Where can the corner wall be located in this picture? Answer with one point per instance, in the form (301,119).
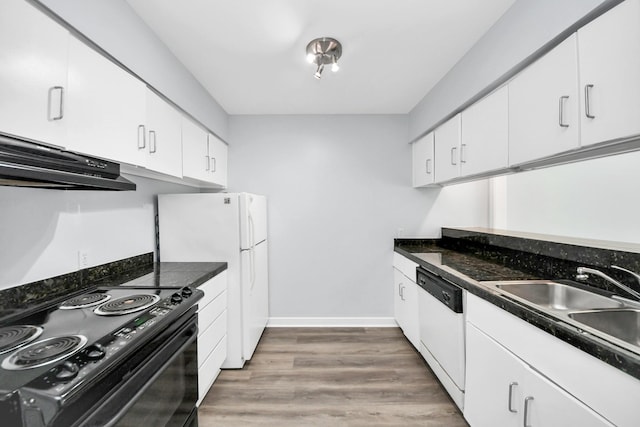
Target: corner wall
(339,191)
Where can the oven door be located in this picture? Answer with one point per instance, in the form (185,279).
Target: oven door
(161,393)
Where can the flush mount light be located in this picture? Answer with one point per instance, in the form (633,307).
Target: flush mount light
(324,51)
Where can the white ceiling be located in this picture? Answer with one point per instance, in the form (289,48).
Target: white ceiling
(250,54)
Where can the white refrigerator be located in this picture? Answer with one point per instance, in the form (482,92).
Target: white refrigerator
(218,227)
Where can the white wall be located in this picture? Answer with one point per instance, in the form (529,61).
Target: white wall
(44,230)
(339,188)
(116,28)
(524,28)
(594,199)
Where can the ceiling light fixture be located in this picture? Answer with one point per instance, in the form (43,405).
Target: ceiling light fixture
(324,51)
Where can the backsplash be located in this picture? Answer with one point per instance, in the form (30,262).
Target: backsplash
(17,299)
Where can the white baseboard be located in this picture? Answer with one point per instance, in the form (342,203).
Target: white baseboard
(373,322)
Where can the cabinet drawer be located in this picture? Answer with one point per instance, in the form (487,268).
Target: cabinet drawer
(605,389)
(210,337)
(212,289)
(210,369)
(210,313)
(405,266)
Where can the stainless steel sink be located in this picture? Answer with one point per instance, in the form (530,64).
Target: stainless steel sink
(558,296)
(621,324)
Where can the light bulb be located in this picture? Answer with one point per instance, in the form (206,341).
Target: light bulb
(318,72)
(310,58)
(335,67)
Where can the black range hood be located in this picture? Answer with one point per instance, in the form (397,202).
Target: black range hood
(28,164)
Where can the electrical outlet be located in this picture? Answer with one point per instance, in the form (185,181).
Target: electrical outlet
(83,260)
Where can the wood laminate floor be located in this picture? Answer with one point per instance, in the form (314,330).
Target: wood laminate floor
(330,377)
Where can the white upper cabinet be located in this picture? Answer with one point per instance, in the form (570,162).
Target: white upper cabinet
(164,136)
(447,150)
(609,50)
(33,73)
(218,154)
(422,155)
(106,108)
(195,157)
(204,157)
(543,106)
(485,134)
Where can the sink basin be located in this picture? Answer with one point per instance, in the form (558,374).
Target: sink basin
(622,324)
(558,296)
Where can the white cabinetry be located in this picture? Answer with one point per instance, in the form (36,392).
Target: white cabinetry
(447,150)
(422,155)
(106,108)
(164,136)
(543,106)
(406,298)
(485,134)
(212,332)
(504,391)
(609,70)
(33,73)
(204,157)
(608,391)
(195,155)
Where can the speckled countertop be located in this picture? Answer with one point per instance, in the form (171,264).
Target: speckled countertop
(469,257)
(134,271)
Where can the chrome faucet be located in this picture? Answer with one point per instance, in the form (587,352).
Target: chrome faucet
(583,274)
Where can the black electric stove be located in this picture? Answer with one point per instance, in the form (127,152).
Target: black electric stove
(61,363)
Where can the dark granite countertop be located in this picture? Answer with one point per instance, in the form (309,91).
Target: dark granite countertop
(135,271)
(468,257)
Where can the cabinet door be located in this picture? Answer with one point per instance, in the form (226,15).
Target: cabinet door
(106,108)
(546,404)
(33,73)
(399,284)
(543,106)
(485,134)
(609,70)
(494,383)
(412,330)
(447,150)
(164,136)
(501,390)
(195,157)
(422,156)
(218,154)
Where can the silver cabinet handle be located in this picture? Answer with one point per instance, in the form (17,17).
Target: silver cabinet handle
(463,152)
(401,292)
(428,166)
(453,151)
(213,169)
(525,418)
(142,137)
(587,102)
(152,141)
(510,405)
(561,103)
(60,114)
(208,163)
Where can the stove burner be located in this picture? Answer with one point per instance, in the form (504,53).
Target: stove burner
(127,305)
(44,352)
(12,337)
(83,301)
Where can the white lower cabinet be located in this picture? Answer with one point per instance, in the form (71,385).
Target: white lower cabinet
(502,390)
(212,332)
(406,298)
(569,387)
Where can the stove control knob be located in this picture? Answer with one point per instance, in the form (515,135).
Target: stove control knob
(95,352)
(176,298)
(66,371)
(186,292)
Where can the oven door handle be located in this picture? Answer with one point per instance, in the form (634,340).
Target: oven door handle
(131,401)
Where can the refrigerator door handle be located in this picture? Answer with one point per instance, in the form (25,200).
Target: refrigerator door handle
(252,268)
